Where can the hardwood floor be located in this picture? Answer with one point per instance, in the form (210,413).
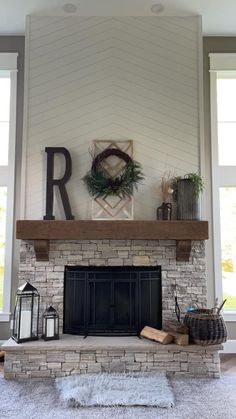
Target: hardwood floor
(228,364)
(1,368)
(1,362)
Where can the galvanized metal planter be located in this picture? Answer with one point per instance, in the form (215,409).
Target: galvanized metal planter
(188,202)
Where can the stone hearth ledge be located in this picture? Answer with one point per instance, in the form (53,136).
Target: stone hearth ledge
(75,355)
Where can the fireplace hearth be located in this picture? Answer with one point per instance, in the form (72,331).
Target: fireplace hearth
(72,354)
(112,301)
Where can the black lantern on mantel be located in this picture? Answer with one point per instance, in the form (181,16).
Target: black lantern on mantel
(26,314)
(50,324)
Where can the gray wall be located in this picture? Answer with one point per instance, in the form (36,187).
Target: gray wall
(15,44)
(212,44)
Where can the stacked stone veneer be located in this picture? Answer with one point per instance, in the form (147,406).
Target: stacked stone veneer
(31,362)
(188,278)
(54,359)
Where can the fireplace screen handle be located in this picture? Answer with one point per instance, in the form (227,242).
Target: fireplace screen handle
(177,309)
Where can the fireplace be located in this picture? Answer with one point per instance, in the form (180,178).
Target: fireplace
(188,279)
(112,301)
(137,293)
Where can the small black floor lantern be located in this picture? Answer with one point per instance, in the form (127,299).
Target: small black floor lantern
(50,324)
(26,314)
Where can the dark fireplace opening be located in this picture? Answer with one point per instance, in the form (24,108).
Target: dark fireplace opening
(112,301)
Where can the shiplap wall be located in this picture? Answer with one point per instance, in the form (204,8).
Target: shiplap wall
(111,78)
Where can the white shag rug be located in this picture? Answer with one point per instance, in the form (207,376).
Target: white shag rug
(116,390)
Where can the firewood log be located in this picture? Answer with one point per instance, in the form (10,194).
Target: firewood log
(156,335)
(179,338)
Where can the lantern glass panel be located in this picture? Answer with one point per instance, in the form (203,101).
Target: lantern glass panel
(26,314)
(35,311)
(50,327)
(44,326)
(50,324)
(16,324)
(57,326)
(25,317)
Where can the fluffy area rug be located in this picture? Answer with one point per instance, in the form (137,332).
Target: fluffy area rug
(116,390)
(194,398)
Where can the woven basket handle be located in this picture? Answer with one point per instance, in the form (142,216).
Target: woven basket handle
(221,306)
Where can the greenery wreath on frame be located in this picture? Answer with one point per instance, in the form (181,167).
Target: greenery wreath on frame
(100,184)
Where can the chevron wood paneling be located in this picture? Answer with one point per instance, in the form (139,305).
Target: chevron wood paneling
(111,78)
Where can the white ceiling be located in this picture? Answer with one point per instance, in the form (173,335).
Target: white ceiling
(218,16)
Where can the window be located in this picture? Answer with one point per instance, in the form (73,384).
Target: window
(223,131)
(8,72)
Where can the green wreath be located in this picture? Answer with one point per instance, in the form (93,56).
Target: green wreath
(99,183)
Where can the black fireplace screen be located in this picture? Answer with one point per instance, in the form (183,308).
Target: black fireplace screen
(110,301)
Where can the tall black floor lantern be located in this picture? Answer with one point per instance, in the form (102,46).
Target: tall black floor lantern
(26,314)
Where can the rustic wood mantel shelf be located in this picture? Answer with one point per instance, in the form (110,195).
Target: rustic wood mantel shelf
(42,231)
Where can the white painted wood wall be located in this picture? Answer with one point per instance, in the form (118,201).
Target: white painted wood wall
(121,78)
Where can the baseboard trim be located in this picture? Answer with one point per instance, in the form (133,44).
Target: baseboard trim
(229,347)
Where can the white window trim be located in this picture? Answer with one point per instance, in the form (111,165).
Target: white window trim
(8,61)
(220,174)
(222,62)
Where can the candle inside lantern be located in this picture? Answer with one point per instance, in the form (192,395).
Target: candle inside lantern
(25,324)
(50,328)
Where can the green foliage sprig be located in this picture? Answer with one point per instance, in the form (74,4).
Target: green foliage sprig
(99,183)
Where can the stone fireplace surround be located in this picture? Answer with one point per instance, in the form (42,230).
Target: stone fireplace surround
(188,278)
(71,355)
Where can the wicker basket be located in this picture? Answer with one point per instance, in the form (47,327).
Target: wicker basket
(206,327)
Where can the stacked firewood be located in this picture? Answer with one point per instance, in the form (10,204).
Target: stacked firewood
(174,332)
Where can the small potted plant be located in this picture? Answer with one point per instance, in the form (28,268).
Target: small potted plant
(187,190)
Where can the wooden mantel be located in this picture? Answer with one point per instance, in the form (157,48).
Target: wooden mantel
(43,231)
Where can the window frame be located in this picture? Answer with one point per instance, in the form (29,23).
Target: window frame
(8,64)
(223,65)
